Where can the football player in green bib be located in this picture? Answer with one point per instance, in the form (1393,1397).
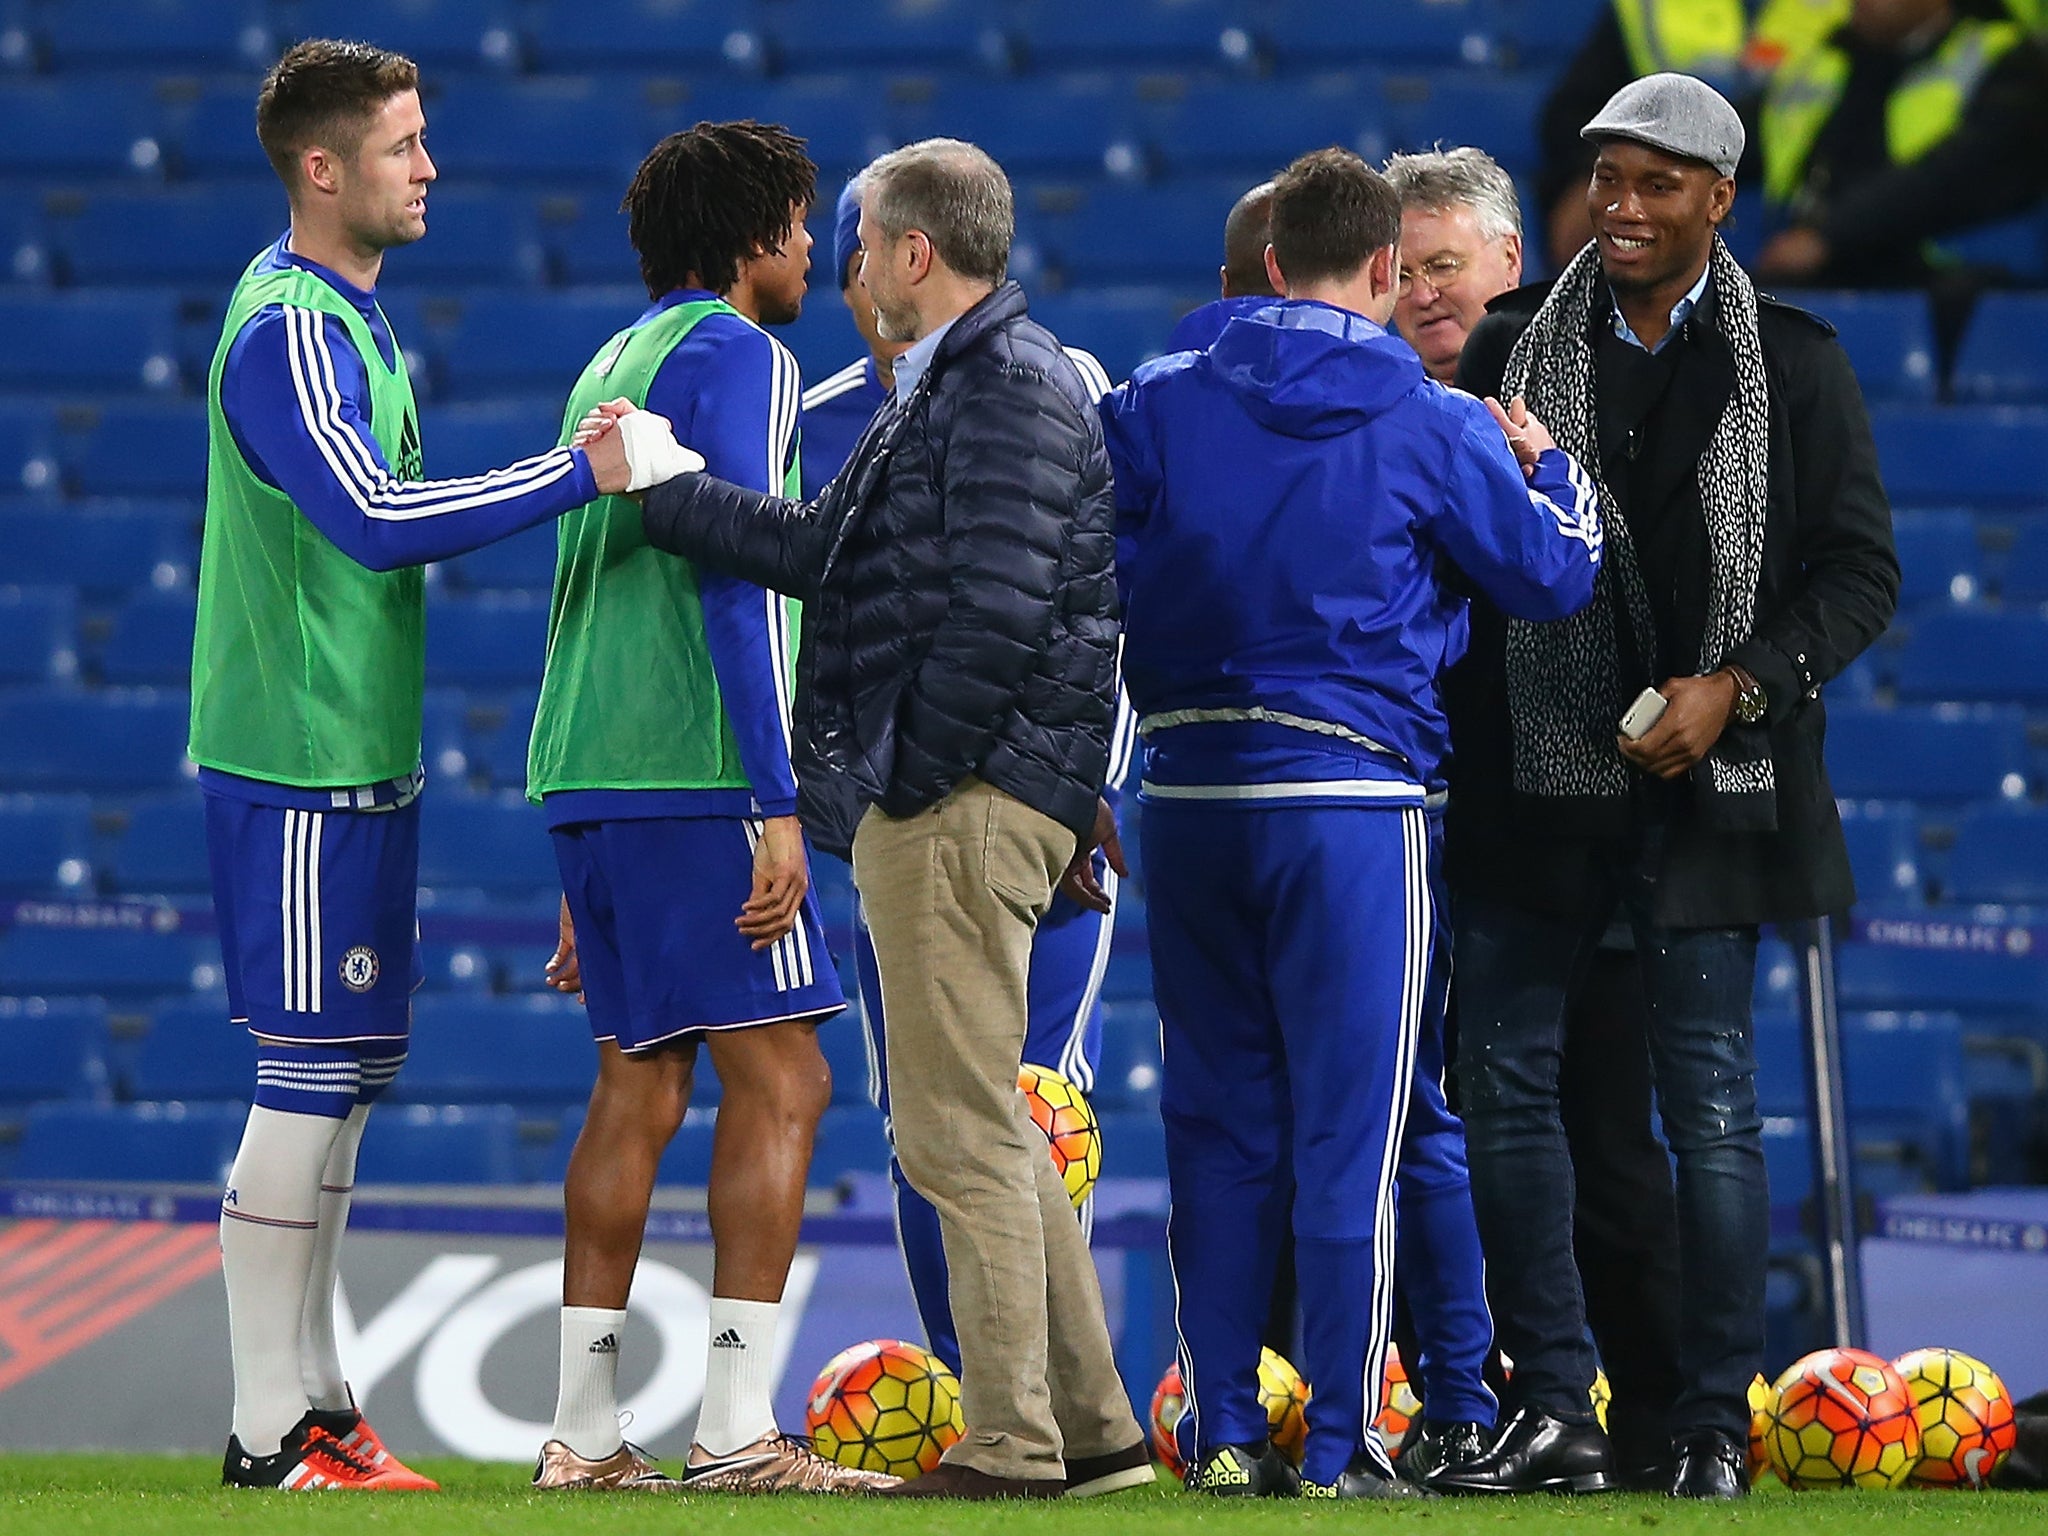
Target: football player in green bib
(661,759)
(307,670)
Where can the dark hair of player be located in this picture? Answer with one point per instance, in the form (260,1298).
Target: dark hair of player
(706,199)
(325,91)
(1331,211)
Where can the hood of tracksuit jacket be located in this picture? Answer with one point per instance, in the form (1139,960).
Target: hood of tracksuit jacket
(1306,369)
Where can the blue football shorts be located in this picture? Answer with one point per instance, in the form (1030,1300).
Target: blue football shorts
(653,902)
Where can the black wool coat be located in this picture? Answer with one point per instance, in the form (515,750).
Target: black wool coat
(959,582)
(1827,589)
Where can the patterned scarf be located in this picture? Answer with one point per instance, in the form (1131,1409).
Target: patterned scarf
(1564,679)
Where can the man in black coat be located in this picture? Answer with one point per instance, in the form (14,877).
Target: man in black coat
(1753,562)
(960,651)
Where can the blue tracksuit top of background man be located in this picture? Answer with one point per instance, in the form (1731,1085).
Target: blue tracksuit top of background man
(1282,503)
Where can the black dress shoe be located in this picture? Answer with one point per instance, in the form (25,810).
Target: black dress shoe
(1245,1472)
(1435,1447)
(1535,1453)
(1362,1480)
(1711,1466)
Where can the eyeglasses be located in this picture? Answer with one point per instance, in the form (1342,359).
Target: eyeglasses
(1440,272)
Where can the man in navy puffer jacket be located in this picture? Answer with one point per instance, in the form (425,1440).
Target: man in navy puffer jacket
(1287,505)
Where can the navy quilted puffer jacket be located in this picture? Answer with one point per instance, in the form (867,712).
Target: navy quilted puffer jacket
(961,612)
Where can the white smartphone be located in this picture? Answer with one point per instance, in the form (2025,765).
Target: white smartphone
(1647,710)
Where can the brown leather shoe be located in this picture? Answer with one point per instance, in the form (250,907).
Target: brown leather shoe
(948,1480)
(1131,1467)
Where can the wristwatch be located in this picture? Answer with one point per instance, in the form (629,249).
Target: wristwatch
(1751,704)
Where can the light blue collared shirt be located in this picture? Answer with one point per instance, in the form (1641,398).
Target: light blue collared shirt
(911,366)
(1680,312)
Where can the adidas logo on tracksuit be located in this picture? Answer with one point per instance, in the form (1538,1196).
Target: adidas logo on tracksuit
(730,1339)
(608,1345)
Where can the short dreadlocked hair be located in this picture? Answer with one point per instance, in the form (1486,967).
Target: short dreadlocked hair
(708,198)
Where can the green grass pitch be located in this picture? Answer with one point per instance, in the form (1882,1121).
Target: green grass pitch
(85,1494)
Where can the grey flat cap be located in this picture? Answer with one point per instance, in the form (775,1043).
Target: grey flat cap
(1674,113)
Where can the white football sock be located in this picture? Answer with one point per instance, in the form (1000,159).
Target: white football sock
(268,1228)
(587,1400)
(737,1383)
(319,1358)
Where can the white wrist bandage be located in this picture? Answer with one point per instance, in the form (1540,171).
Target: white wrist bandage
(652,452)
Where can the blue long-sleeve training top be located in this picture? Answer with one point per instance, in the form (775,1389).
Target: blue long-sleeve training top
(296,398)
(1286,503)
(731,392)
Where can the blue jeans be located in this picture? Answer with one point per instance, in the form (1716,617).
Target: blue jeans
(1516,971)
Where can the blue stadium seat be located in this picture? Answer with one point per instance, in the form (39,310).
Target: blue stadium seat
(129,739)
(202,236)
(1544,33)
(1889,338)
(1166,233)
(38,634)
(1942,753)
(162,851)
(494,843)
(444,734)
(28,437)
(1121,326)
(1975,653)
(526,1050)
(1309,34)
(885,34)
(106,548)
(104,962)
(470,439)
(1970,981)
(850,1140)
(151,641)
(1904,1083)
(83,127)
(89,341)
(1253,127)
(573,128)
(214,135)
(1133,1144)
(474,235)
(2004,356)
(497,639)
(1788,1159)
(1060,126)
(24,247)
(52,1048)
(2025,578)
(1939,561)
(1136,33)
(193,1052)
(586,241)
(2017,246)
(1884,852)
(440,1144)
(150,449)
(1496,112)
(1780,1061)
(130,1143)
(1974,454)
(526,561)
(159,35)
(515,342)
(841,118)
(1127,1076)
(651,34)
(2000,855)
(45,846)
(499,745)
(448,34)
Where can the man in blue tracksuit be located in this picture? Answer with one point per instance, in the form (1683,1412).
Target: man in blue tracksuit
(1287,502)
